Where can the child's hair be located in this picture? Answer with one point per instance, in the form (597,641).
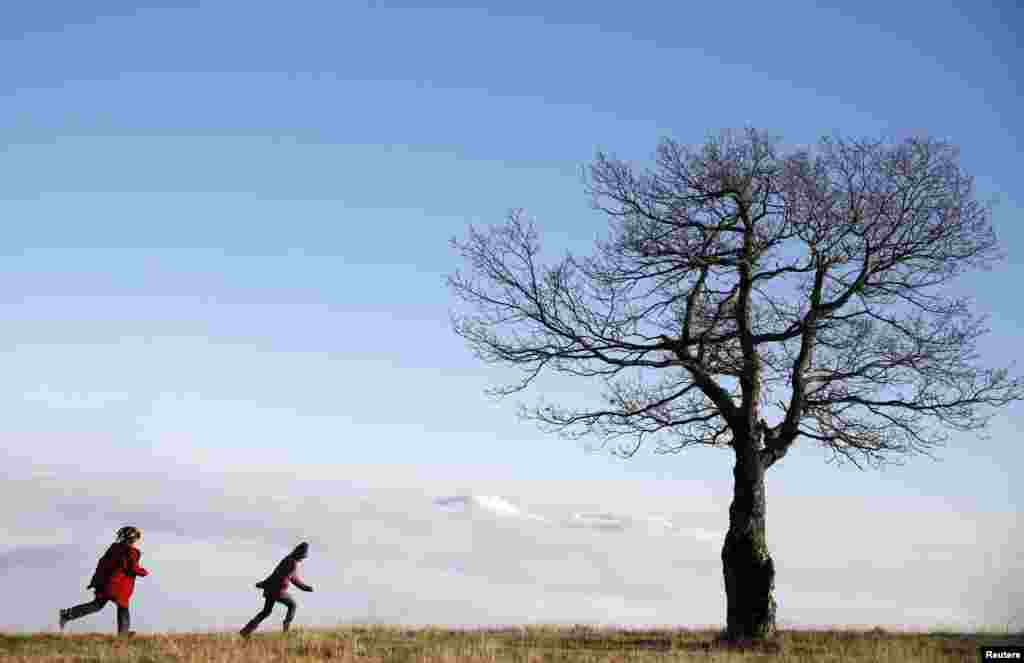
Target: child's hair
(127,534)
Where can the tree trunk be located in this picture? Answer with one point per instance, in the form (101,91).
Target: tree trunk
(747,566)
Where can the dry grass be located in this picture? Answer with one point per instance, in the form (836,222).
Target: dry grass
(534,644)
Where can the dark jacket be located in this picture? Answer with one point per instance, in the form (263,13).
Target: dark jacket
(276,584)
(115,574)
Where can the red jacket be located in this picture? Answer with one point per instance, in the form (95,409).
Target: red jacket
(276,584)
(114,578)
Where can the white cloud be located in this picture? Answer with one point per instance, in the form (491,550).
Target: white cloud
(600,521)
(702,534)
(494,551)
(492,504)
(604,521)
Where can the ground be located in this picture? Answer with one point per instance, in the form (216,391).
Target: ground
(533,644)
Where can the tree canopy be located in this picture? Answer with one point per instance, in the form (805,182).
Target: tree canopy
(737,279)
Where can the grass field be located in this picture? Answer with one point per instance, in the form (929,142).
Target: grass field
(534,644)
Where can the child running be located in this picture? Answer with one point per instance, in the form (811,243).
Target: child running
(114,580)
(275,589)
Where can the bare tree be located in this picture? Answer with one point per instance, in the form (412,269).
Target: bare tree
(737,285)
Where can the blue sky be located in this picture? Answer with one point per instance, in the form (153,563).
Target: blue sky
(226,231)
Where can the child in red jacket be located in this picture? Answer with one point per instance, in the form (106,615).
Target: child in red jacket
(114,580)
(275,589)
